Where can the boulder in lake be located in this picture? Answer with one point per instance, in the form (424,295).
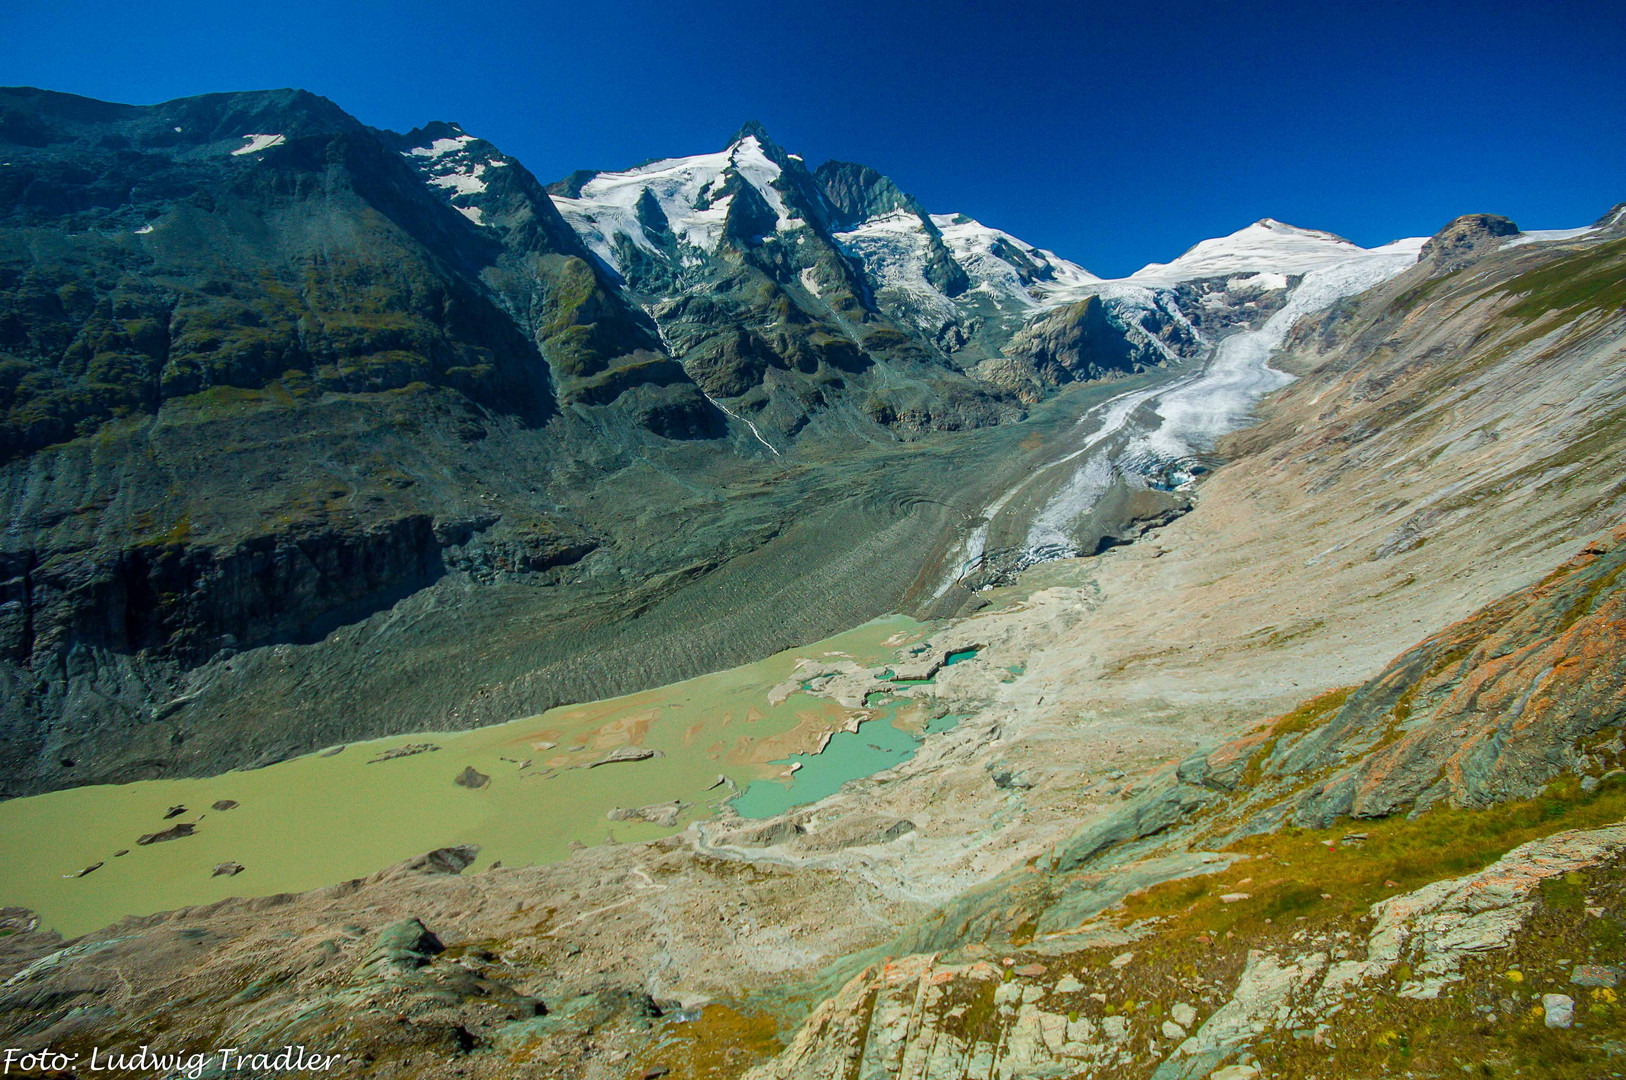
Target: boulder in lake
(625,753)
(174,832)
(471,777)
(227,869)
(663,814)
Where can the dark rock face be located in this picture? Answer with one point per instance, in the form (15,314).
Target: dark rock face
(1076,342)
(857,192)
(319,262)
(189,602)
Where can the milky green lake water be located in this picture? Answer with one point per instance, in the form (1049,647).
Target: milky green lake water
(325,818)
(876,745)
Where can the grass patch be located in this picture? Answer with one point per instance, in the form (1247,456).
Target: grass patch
(721,1043)
(1290,871)
(1593,281)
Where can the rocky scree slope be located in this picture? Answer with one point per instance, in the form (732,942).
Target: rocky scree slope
(1190,929)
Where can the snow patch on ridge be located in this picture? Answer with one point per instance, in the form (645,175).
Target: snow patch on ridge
(450,166)
(1540,236)
(256,143)
(441,147)
(461,183)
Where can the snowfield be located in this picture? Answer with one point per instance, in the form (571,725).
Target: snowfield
(688,191)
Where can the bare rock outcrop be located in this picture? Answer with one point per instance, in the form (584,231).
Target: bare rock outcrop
(1464,239)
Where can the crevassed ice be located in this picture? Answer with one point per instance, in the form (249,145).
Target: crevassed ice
(1193,412)
(1239,374)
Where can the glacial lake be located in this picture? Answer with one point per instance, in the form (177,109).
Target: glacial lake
(339,814)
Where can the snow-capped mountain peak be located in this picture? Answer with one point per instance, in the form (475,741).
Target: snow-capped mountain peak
(693,194)
(1266,246)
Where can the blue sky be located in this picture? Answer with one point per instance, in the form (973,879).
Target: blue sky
(1114,134)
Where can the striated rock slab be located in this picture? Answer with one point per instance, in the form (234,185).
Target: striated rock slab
(1263,999)
(1437,926)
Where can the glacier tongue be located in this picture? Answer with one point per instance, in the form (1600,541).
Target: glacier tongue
(1151,436)
(1193,416)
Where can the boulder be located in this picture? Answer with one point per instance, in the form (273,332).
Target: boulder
(446,860)
(1235,1072)
(625,753)
(174,832)
(471,777)
(402,947)
(1595,975)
